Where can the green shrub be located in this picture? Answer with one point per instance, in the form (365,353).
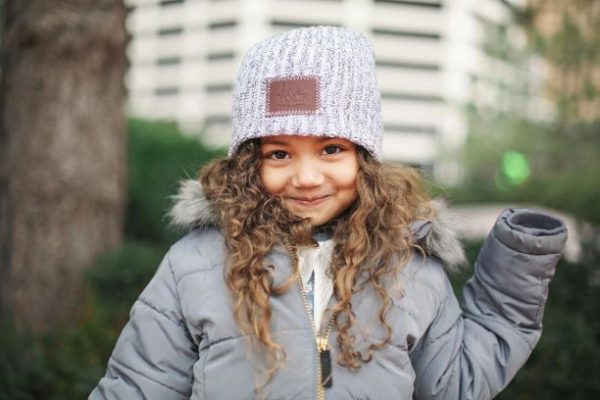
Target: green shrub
(24,372)
(159,156)
(119,276)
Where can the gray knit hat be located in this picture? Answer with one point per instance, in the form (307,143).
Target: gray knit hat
(314,81)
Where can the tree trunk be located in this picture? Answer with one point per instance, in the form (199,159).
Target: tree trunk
(62,152)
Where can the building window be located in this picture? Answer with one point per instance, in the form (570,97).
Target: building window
(175,30)
(168,60)
(217,119)
(407,65)
(411,97)
(412,34)
(219,88)
(227,55)
(166,91)
(296,24)
(434,4)
(397,128)
(166,3)
(222,25)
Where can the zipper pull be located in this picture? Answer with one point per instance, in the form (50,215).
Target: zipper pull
(325,360)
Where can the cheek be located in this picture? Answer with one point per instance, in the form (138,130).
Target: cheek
(272,179)
(348,180)
(346,176)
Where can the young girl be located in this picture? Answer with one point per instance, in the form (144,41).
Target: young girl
(311,270)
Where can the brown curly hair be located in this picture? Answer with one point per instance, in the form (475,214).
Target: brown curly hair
(372,240)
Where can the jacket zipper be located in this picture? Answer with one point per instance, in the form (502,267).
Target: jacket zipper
(322,342)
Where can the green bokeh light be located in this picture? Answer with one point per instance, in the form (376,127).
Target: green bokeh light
(515,167)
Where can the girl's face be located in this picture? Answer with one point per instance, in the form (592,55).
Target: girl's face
(314,176)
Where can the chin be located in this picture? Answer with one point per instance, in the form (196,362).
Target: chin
(317,221)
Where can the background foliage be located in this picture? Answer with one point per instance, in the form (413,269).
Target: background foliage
(563,162)
(561,146)
(559,157)
(68,362)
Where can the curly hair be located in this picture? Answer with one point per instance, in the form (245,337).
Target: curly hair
(372,240)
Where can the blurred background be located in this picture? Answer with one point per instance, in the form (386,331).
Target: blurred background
(106,104)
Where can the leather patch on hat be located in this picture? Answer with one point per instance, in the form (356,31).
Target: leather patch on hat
(293,95)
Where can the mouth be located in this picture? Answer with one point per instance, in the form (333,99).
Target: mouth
(308,201)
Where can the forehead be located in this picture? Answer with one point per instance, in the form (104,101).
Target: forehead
(291,140)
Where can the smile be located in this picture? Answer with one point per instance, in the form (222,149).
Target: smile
(308,201)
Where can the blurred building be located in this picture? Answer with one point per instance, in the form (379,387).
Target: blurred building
(433,60)
(565,80)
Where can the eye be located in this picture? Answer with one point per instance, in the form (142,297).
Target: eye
(332,149)
(277,155)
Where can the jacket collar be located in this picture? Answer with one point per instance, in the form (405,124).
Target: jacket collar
(438,236)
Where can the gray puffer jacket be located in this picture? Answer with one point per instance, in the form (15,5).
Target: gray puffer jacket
(181,341)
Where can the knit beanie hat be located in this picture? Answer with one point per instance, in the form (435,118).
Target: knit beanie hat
(314,81)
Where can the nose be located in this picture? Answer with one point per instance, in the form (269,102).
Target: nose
(308,174)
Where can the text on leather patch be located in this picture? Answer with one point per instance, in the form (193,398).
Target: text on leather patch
(295,95)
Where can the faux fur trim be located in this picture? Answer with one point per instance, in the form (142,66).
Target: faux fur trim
(441,238)
(438,236)
(190,207)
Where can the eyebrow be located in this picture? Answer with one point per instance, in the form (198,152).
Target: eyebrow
(326,138)
(278,142)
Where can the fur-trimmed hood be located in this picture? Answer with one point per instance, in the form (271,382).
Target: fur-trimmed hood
(438,237)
